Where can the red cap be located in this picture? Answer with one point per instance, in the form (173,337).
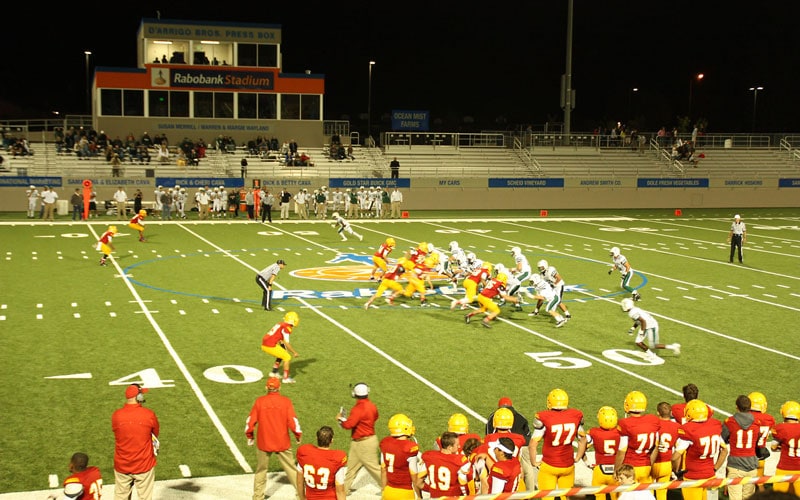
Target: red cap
(273,383)
(133,390)
(504,402)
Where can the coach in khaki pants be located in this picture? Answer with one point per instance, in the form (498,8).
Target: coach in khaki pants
(364,443)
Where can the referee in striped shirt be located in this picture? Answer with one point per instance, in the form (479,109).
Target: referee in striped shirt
(264,280)
(737,237)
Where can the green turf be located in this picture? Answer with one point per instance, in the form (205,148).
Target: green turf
(187,313)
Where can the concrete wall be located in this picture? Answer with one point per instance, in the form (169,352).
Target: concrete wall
(461,194)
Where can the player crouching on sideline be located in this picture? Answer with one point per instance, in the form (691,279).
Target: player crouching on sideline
(105,245)
(544,291)
(648,330)
(343,227)
(496,287)
(389,282)
(137,223)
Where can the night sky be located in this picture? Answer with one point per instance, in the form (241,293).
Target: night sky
(497,66)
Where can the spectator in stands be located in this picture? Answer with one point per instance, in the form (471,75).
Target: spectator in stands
(273,144)
(244,167)
(193,158)
(142,154)
(201,147)
(293,147)
(394,166)
(146,141)
(350,153)
(116,165)
(163,153)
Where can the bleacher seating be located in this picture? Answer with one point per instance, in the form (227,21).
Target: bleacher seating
(441,163)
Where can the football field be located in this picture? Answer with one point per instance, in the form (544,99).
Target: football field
(181,314)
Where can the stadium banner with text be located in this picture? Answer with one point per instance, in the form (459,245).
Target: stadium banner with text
(600,182)
(353,182)
(523,182)
(25,181)
(108,181)
(656,182)
(740,183)
(788,183)
(418,121)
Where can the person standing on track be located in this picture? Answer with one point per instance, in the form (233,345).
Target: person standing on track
(737,237)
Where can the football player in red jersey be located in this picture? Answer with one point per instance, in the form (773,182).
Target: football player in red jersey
(505,472)
(700,440)
(557,428)
(401,470)
(639,436)
(475,279)
(321,470)
(740,432)
(276,343)
(787,435)
(758,406)
(447,470)
(389,282)
(83,477)
(605,441)
(105,245)
(690,392)
(137,223)
(381,256)
(496,287)
(667,434)
(459,425)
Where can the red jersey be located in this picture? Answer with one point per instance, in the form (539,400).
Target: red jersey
(605,443)
(394,272)
(788,435)
(765,422)
(639,437)
(478,275)
(702,442)
(416,255)
(742,442)
(137,219)
(559,429)
(504,476)
(134,427)
(106,237)
(277,334)
(398,456)
(361,419)
(667,435)
(274,415)
(91,480)
(493,288)
(321,469)
(383,251)
(447,474)
(519,439)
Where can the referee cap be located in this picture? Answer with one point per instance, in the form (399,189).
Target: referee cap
(737,216)
(281,262)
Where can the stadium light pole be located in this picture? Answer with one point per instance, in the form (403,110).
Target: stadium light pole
(697,77)
(755,90)
(369,105)
(88,84)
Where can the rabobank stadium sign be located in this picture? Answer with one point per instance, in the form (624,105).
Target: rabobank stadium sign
(212,78)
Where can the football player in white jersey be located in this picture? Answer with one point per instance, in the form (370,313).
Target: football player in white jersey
(551,275)
(621,264)
(522,269)
(473,262)
(544,292)
(343,226)
(647,331)
(456,265)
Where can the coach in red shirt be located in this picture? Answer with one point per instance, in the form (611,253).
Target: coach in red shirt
(136,436)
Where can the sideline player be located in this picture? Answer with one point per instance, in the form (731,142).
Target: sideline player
(137,223)
(620,263)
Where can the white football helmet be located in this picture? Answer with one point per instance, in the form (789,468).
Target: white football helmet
(500,269)
(453,246)
(626,304)
(431,248)
(614,252)
(516,251)
(536,279)
(542,265)
(335,215)
(471,257)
